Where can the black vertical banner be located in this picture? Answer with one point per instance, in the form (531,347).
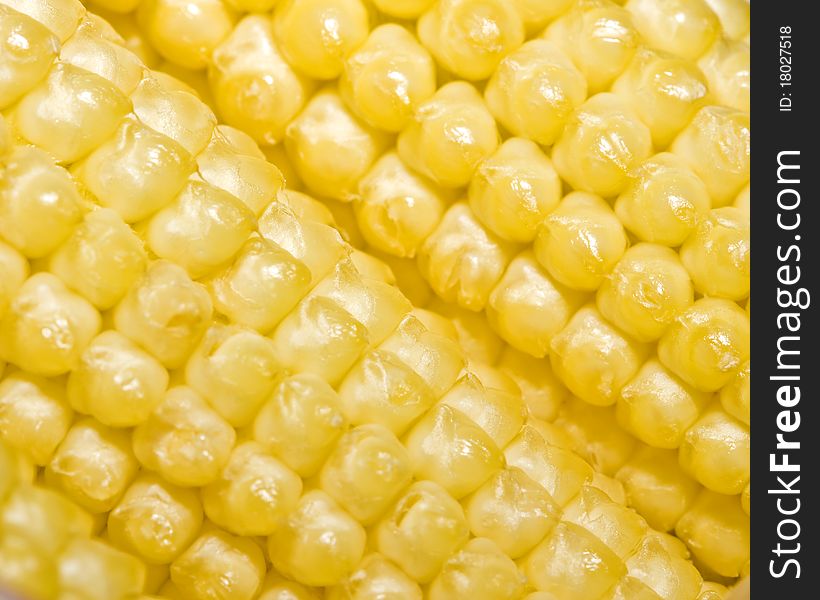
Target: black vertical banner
(785,57)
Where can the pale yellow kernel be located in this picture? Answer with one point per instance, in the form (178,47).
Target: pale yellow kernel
(166,313)
(366,471)
(277,587)
(70,113)
(541,389)
(593,437)
(451,134)
(155,520)
(718,254)
(319,544)
(253,494)
(304,206)
(734,17)
(685,28)
(599,37)
(479,570)
(25,570)
(93,570)
(34,415)
(667,575)
(727,68)
(184,440)
(449,448)
(301,422)
(735,396)
(9,475)
(386,78)
(14,269)
(712,591)
(657,407)
(512,510)
(219,565)
(657,487)
(716,530)
(603,141)
(610,486)
(424,528)
(47,327)
(376,578)
(559,471)
(534,90)
(630,588)
(39,203)
(707,344)
(716,145)
(255,89)
(28,51)
(716,451)
(372,267)
(663,201)
(62,17)
(470,37)
(572,563)
(93,465)
(537,13)
(619,527)
(462,260)
(514,189)
(744,201)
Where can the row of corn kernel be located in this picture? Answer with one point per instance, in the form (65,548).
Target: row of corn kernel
(183,402)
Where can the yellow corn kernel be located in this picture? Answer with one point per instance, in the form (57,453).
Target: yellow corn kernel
(255,89)
(600,39)
(254,493)
(470,37)
(716,452)
(219,565)
(462,260)
(735,396)
(28,51)
(396,209)
(424,528)
(93,570)
(34,415)
(317,35)
(734,17)
(303,206)
(610,486)
(451,134)
(561,472)
(330,148)
(746,499)
(479,570)
(136,172)
(593,437)
(93,465)
(572,563)
(527,308)
(716,145)
(744,201)
(26,571)
(366,471)
(101,259)
(47,327)
(537,13)
(619,527)
(129,35)
(534,90)
(716,530)
(14,270)
(630,588)
(499,412)
(261,286)
(388,77)
(155,520)
(376,578)
(685,28)
(514,189)
(39,205)
(116,6)
(707,344)
(718,254)
(234,370)
(184,440)
(727,68)
(663,201)
(541,390)
(244,173)
(166,313)
(6,142)
(301,423)
(186,33)
(70,113)
(665,92)
(277,587)
(449,448)
(667,575)
(593,359)
(61,17)
(512,510)
(372,268)
(603,141)
(712,591)
(580,241)
(9,476)
(319,544)
(657,407)
(657,487)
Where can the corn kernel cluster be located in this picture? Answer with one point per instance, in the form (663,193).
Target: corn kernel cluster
(206,392)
